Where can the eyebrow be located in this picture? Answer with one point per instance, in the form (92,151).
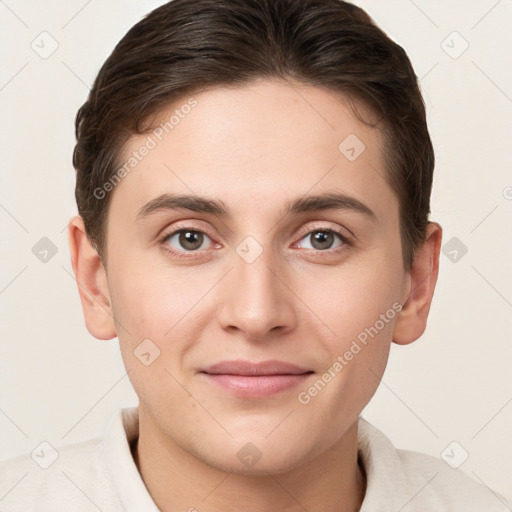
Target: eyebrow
(327,201)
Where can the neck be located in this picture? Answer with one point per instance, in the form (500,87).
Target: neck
(177,480)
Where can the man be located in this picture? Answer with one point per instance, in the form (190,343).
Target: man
(253,184)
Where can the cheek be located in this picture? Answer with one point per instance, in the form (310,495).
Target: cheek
(150,311)
(161,306)
(355,364)
(361,308)
(148,295)
(354,299)
(142,306)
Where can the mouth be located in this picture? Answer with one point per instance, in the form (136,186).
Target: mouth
(255,380)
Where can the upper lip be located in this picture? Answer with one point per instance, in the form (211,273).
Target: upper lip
(241,367)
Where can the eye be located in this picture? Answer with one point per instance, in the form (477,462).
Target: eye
(186,240)
(323,239)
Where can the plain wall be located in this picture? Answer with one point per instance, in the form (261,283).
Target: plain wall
(59,384)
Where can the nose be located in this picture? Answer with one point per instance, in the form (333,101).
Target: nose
(256,298)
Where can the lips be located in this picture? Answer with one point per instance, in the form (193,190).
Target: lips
(241,367)
(255,380)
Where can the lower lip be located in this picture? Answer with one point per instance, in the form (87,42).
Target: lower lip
(256,386)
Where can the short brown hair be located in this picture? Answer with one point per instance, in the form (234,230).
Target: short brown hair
(188,45)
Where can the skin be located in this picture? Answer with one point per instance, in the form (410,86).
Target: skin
(255,148)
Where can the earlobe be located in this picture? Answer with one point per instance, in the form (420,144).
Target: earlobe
(412,320)
(92,282)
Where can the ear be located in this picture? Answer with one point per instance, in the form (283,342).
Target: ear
(422,277)
(92,282)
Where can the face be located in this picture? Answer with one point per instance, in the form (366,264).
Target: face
(250,267)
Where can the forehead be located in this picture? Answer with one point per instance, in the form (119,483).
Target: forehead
(263,143)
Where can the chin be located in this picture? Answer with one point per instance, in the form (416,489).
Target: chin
(268,457)
(275,466)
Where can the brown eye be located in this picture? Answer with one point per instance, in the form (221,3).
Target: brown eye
(323,239)
(186,240)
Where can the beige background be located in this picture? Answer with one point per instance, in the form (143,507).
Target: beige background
(59,384)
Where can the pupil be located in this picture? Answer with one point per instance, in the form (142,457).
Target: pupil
(191,239)
(324,239)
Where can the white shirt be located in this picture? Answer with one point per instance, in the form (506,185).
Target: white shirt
(100,474)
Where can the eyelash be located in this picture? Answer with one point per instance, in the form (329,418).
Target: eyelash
(191,254)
